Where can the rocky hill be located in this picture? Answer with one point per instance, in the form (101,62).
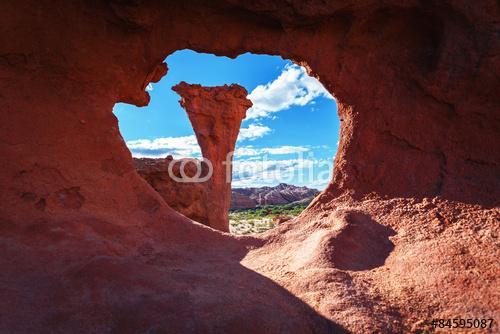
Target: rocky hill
(245,198)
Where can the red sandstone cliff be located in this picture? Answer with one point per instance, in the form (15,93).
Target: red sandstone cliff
(406,232)
(185,197)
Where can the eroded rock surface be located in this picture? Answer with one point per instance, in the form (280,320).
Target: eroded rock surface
(188,198)
(216,114)
(201,189)
(244,198)
(88,246)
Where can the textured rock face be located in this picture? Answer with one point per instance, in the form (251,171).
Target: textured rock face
(88,246)
(188,198)
(216,114)
(242,201)
(244,198)
(203,193)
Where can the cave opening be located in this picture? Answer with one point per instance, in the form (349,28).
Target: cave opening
(283,154)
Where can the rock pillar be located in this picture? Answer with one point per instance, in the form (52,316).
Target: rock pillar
(216,114)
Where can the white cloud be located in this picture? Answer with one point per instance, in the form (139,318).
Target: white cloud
(179,147)
(251,167)
(253,132)
(252,151)
(250,173)
(187,146)
(149,87)
(286,149)
(319,184)
(293,87)
(246,151)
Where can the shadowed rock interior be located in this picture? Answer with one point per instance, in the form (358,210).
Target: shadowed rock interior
(406,231)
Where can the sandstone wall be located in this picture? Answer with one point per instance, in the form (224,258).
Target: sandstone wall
(87,245)
(187,198)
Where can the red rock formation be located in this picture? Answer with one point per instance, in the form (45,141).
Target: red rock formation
(203,193)
(283,193)
(216,114)
(240,201)
(188,198)
(88,246)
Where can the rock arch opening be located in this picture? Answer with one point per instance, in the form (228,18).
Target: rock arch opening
(88,246)
(281,159)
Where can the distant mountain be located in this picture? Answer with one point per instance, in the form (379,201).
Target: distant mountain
(246,198)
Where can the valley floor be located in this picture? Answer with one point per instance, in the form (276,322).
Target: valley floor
(258,220)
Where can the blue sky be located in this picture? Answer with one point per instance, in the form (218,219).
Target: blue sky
(290,134)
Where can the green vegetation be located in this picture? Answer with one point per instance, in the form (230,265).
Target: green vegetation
(269,211)
(261,219)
